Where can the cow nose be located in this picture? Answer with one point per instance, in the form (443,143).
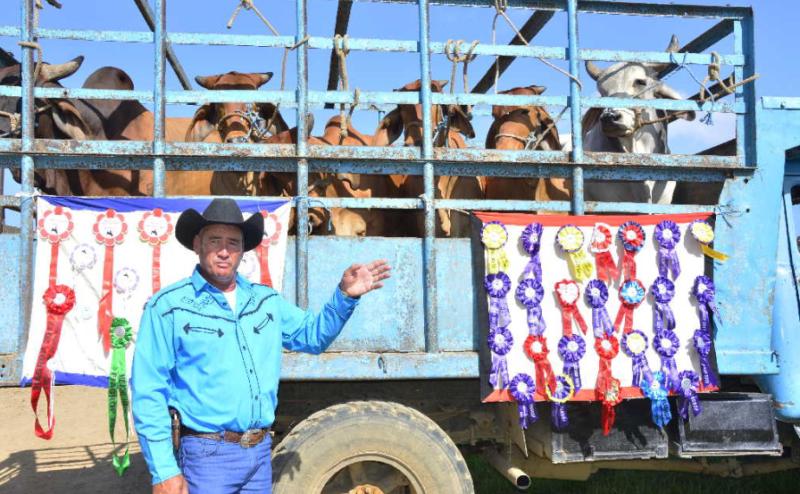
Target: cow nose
(610,116)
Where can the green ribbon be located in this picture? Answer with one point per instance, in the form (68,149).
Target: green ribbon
(121,335)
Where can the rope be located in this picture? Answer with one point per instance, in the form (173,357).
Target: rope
(500,7)
(341,45)
(249,5)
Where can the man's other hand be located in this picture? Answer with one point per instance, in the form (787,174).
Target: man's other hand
(173,485)
(359,279)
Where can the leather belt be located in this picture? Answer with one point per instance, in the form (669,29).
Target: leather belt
(246,439)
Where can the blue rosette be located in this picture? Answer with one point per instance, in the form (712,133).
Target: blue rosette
(663,291)
(564,391)
(531,239)
(656,390)
(596,295)
(667,235)
(500,342)
(523,389)
(571,349)
(497,287)
(704,292)
(702,345)
(666,344)
(530,293)
(688,399)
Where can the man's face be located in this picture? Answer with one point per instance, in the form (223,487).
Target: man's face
(219,248)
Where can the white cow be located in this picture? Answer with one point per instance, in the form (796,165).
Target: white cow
(626,130)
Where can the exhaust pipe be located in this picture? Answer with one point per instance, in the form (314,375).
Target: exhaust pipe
(515,475)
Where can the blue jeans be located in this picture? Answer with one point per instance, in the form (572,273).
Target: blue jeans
(219,467)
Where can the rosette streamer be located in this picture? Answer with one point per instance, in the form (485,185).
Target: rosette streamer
(58,300)
(663,291)
(121,335)
(568,292)
(667,234)
(688,399)
(109,230)
(607,389)
(602,241)
(272,233)
(666,344)
(571,349)
(500,343)
(596,296)
(570,239)
(703,291)
(656,390)
(703,232)
(632,236)
(530,293)
(531,242)
(522,389)
(494,237)
(155,228)
(535,347)
(702,345)
(634,344)
(497,286)
(631,295)
(564,391)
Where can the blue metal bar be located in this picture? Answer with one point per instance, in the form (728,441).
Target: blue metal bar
(701,43)
(746,124)
(301,245)
(575,107)
(351,366)
(26,220)
(428,197)
(159,106)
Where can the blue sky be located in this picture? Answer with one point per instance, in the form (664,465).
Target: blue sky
(776,25)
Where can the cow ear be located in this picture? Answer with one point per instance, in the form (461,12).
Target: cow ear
(207,81)
(266,111)
(411,86)
(201,125)
(390,128)
(261,78)
(69,121)
(460,121)
(438,85)
(537,90)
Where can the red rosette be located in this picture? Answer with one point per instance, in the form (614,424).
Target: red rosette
(110,228)
(59,299)
(602,238)
(602,241)
(535,347)
(568,293)
(632,236)
(536,352)
(155,227)
(607,347)
(56,225)
(607,389)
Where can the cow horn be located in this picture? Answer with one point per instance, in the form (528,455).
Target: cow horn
(52,73)
(593,70)
(673,47)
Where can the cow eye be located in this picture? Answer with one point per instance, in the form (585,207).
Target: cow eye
(640,82)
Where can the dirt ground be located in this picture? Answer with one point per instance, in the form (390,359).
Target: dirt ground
(78,457)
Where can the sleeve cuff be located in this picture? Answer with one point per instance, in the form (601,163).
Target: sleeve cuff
(342,304)
(160,459)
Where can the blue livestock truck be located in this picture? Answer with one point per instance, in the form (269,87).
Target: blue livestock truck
(395,403)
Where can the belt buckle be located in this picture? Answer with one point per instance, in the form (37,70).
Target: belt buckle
(248,438)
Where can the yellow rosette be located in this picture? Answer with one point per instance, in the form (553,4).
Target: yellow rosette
(570,239)
(494,237)
(704,234)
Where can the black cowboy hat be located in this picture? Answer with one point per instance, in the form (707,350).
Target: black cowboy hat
(220,211)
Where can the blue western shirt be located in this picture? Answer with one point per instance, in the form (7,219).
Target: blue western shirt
(217,365)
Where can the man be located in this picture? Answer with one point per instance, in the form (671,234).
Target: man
(209,346)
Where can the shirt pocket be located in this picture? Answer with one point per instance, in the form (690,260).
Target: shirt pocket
(202,338)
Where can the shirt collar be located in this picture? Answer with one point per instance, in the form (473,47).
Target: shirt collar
(199,283)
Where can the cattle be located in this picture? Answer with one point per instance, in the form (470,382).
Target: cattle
(524,128)
(638,130)
(406,120)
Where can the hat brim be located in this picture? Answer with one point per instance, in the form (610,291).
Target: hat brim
(190,222)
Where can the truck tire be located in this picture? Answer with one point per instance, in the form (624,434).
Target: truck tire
(359,446)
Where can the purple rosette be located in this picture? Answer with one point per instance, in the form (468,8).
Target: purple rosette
(500,342)
(634,344)
(663,291)
(558,407)
(666,344)
(530,293)
(531,242)
(702,345)
(497,286)
(667,235)
(571,349)
(596,296)
(703,291)
(655,388)
(688,399)
(522,389)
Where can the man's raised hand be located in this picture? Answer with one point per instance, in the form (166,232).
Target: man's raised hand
(359,279)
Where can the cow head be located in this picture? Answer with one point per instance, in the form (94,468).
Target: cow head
(55,118)
(236,122)
(407,119)
(631,80)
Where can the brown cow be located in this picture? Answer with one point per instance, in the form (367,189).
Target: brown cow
(524,128)
(407,120)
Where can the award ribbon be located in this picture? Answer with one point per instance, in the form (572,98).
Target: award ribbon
(571,349)
(655,388)
(568,292)
(667,235)
(531,243)
(666,344)
(702,231)
(272,233)
(121,335)
(155,228)
(702,345)
(570,239)
(607,388)
(602,241)
(109,230)
(497,286)
(688,399)
(522,388)
(596,296)
(703,291)
(58,300)
(632,236)
(500,342)
(565,390)
(631,296)
(530,293)
(494,237)
(634,344)
(55,226)
(535,347)
(663,291)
